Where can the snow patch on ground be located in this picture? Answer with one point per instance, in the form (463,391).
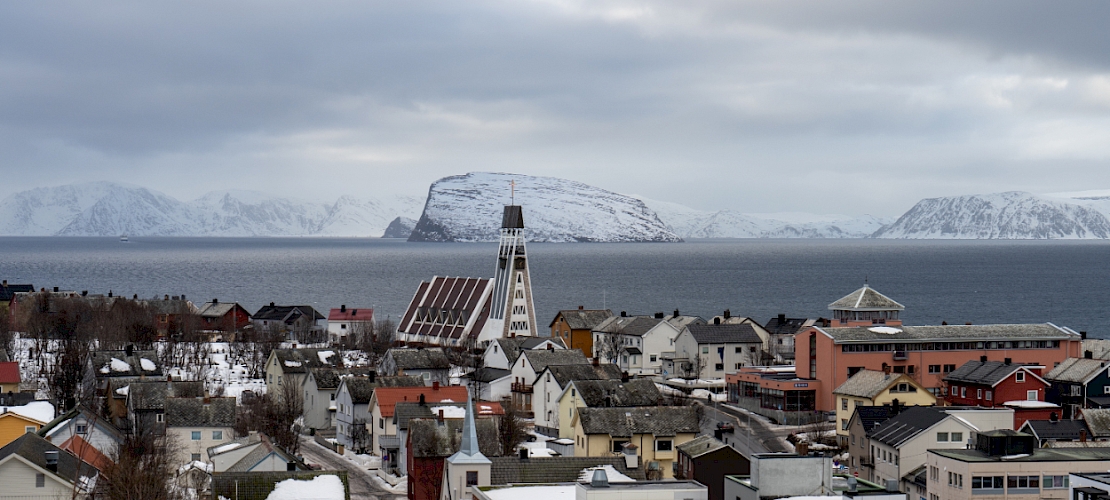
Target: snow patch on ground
(325,487)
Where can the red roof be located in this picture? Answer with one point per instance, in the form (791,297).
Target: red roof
(9,373)
(86,452)
(388,397)
(352,314)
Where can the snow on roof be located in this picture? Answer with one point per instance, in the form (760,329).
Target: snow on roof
(614,475)
(889,330)
(118,365)
(292,363)
(195,465)
(326,487)
(41,411)
(122,391)
(450,411)
(1030,404)
(147,365)
(555,492)
(225,448)
(324,355)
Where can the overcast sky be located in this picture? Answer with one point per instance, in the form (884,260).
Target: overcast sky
(825,107)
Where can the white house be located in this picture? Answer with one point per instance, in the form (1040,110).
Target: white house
(344,323)
(197,424)
(32,467)
(550,384)
(352,400)
(530,363)
(717,349)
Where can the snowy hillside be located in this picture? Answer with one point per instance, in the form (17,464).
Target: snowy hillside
(108,209)
(469,207)
(1011,215)
(693,223)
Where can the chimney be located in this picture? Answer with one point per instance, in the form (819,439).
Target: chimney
(717,320)
(596,362)
(524,454)
(782,318)
(1053,417)
(1083,335)
(1088,354)
(660,315)
(728,313)
(435,386)
(5,282)
(130,350)
(215,301)
(624,314)
(271,304)
(421,400)
(55,289)
(183,297)
(84,293)
(51,457)
(944,323)
(676,313)
(343,308)
(1082,435)
(1008,361)
(109,293)
(802,448)
(581,308)
(440,417)
(886,369)
(983,358)
(968,323)
(372,374)
(167,297)
(624,377)
(551,347)
(135,297)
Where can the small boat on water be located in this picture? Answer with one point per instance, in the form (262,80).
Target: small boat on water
(123,238)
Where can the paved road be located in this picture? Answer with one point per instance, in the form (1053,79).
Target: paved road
(362,486)
(752,434)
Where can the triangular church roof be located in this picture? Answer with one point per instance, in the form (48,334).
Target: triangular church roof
(866,299)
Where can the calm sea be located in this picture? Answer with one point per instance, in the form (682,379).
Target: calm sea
(1064,282)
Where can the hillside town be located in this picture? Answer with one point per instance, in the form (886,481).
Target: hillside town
(470,395)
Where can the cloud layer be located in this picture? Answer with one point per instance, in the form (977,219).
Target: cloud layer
(850,107)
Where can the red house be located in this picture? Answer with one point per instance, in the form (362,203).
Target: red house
(223,316)
(993,383)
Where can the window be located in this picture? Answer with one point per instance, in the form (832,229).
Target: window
(957,437)
(471,477)
(963,392)
(1105,389)
(653,358)
(1019,376)
(29,428)
(978,393)
(82,429)
(949,368)
(1055,482)
(663,445)
(195,436)
(843,424)
(853,439)
(381,423)
(705,350)
(195,457)
(942,437)
(986,483)
(159,418)
(40,480)
(217,435)
(904,387)
(843,403)
(618,446)
(719,366)
(934,368)
(989,395)
(1026,482)
(739,350)
(739,366)
(1031,395)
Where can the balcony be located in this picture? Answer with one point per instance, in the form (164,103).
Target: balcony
(900,355)
(520,387)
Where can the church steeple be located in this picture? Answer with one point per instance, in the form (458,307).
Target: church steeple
(468,467)
(512,313)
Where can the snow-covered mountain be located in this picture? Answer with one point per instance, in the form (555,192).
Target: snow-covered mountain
(109,209)
(1011,215)
(692,223)
(469,208)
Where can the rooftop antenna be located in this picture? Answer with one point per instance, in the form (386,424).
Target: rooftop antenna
(512,192)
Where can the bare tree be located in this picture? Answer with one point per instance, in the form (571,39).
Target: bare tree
(608,346)
(7,337)
(140,468)
(274,415)
(512,430)
(360,436)
(694,368)
(820,430)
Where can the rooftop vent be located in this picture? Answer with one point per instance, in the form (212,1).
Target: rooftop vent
(51,457)
(600,479)
(343,308)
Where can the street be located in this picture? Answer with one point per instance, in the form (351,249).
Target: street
(758,438)
(362,486)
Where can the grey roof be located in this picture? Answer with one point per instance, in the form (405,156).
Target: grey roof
(1098,420)
(866,299)
(400,381)
(419,359)
(870,416)
(1100,348)
(8,290)
(566,373)
(102,361)
(543,470)
(146,396)
(264,449)
(961,333)
(1060,429)
(303,359)
(361,389)
(12,398)
(329,378)
(195,412)
(701,445)
(583,319)
(1076,370)
(33,448)
(243,441)
(487,374)
(982,373)
(635,326)
(280,313)
(788,326)
(170,306)
(641,392)
(868,383)
(906,425)
(680,322)
(624,422)
(1038,455)
(215,309)
(430,438)
(540,358)
(724,334)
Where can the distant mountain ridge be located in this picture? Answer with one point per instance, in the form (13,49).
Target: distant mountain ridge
(111,209)
(691,223)
(1010,215)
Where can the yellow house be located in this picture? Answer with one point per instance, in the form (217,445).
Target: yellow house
(600,393)
(13,425)
(651,432)
(874,388)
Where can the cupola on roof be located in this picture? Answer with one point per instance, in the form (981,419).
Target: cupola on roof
(866,299)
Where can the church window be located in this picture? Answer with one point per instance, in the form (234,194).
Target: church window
(520,277)
(471,477)
(520,294)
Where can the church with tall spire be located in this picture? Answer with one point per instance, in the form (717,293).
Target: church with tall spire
(512,313)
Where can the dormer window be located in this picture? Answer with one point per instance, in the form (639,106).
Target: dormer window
(1019,376)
